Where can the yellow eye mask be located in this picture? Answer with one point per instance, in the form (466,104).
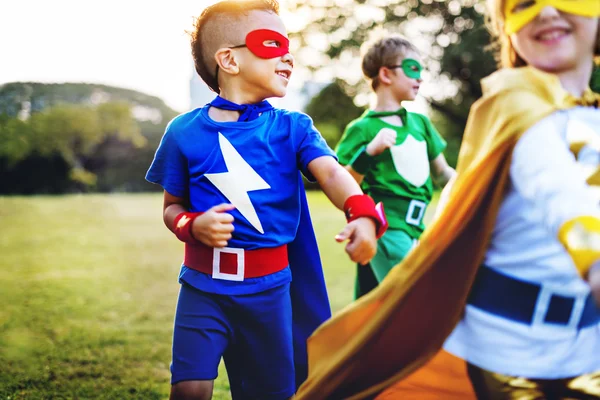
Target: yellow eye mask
(519,13)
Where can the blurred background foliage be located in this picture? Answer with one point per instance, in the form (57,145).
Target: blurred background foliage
(57,138)
(458,52)
(331,110)
(75,137)
(457,49)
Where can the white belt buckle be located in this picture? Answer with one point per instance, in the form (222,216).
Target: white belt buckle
(543,303)
(216,271)
(411,210)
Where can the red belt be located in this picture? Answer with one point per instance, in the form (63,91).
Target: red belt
(235,264)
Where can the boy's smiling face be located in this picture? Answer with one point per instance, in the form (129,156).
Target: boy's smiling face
(256,76)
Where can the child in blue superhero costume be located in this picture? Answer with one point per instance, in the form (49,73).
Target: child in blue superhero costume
(234,195)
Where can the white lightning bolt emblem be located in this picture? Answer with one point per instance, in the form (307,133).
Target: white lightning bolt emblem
(239,179)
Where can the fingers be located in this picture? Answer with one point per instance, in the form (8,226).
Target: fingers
(220,215)
(359,253)
(220,241)
(345,234)
(389,134)
(361,249)
(221,225)
(390,142)
(222,207)
(214,227)
(362,244)
(388,138)
(215,239)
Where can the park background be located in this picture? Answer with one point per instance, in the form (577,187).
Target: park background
(88,272)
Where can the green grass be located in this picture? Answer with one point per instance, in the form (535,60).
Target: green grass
(88,293)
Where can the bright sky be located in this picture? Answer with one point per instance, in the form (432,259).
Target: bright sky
(136,44)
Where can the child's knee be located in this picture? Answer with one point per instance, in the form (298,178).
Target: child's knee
(192,390)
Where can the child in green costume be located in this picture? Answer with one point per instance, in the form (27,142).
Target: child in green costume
(393,153)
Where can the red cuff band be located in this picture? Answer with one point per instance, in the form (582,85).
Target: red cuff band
(183,226)
(362,205)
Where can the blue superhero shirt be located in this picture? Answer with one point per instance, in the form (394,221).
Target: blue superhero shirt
(254,166)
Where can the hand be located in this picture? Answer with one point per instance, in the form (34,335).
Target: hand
(385,139)
(362,241)
(214,227)
(594,281)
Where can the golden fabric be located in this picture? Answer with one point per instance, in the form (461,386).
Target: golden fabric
(395,329)
(492,386)
(444,377)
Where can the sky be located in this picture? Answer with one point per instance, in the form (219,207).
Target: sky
(134,44)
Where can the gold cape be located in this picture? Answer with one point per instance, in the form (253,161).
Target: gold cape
(395,329)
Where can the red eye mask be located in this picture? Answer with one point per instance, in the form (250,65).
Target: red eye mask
(265,43)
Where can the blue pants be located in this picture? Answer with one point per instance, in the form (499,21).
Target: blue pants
(253,334)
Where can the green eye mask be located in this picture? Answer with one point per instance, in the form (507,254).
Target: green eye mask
(411,68)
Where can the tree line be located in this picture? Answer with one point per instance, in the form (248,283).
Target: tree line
(82,137)
(60,138)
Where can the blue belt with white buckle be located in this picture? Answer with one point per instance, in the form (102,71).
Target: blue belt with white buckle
(530,303)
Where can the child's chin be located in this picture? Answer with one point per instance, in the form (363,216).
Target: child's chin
(279,93)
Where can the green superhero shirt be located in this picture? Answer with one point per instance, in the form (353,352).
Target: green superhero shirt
(399,174)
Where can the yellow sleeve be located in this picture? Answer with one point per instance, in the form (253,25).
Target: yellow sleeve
(581,238)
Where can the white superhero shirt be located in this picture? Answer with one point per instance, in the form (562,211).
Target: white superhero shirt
(547,188)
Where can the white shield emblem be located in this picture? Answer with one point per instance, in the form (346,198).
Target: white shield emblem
(411,161)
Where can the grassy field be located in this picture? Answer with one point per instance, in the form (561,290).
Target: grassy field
(88,292)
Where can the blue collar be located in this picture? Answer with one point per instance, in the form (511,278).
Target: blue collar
(248,112)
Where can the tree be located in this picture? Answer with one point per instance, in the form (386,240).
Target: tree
(332,109)
(454,33)
(74,133)
(15,139)
(118,162)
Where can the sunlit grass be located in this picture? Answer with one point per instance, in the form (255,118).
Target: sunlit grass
(88,293)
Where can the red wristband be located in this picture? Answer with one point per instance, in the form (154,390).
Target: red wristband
(362,205)
(183,226)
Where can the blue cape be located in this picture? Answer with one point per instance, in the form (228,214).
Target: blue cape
(310,304)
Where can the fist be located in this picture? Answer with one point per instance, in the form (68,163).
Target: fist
(214,227)
(385,139)
(362,239)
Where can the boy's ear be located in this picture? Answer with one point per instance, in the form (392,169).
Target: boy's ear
(226,61)
(384,75)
